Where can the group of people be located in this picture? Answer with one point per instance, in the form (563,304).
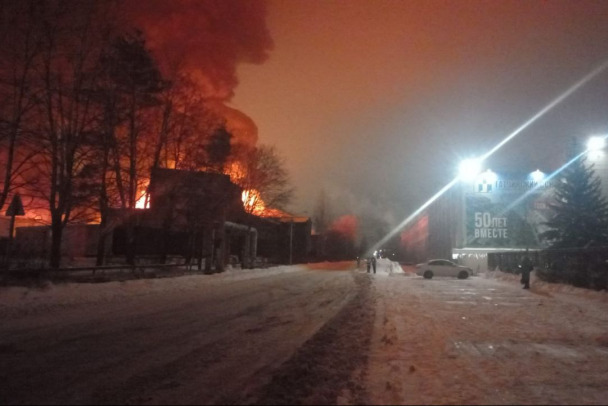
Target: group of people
(371,263)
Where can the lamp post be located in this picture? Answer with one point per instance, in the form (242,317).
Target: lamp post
(15,208)
(289,219)
(291,241)
(469,169)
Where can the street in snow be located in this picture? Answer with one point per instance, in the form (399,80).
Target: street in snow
(318,334)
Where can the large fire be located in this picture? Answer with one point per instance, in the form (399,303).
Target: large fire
(143,201)
(253,203)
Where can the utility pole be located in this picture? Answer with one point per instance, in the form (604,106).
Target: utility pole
(14,209)
(291,241)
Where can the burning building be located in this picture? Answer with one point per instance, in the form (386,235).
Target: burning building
(196,215)
(201,216)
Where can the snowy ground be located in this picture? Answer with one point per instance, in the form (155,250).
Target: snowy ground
(487,341)
(317,334)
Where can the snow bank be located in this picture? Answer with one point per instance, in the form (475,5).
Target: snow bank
(28,300)
(384,266)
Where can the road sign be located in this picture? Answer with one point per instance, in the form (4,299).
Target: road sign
(16,207)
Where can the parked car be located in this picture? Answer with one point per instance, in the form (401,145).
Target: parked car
(443,267)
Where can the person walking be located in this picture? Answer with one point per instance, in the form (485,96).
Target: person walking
(374,263)
(526,267)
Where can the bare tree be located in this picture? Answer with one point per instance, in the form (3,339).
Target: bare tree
(186,126)
(128,86)
(264,177)
(66,116)
(218,150)
(20,38)
(137,82)
(261,173)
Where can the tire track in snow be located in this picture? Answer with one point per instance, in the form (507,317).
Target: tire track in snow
(330,367)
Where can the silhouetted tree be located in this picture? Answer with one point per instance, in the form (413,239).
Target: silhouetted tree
(218,150)
(580,211)
(130,83)
(263,174)
(71,41)
(20,36)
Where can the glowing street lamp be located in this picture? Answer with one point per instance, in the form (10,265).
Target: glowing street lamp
(469,169)
(596,143)
(595,147)
(537,175)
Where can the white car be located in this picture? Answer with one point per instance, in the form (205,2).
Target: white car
(443,267)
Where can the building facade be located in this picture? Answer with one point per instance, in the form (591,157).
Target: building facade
(193,214)
(494,212)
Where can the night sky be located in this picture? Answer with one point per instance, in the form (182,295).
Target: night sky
(376,102)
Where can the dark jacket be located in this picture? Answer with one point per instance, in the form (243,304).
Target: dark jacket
(526,267)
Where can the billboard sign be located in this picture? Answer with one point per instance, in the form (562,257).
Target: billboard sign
(506,212)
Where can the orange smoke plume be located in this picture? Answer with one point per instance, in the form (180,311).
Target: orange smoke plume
(346,226)
(243,129)
(206,38)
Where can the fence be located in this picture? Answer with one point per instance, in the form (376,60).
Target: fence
(581,267)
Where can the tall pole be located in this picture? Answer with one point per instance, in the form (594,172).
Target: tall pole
(290,241)
(14,209)
(9,243)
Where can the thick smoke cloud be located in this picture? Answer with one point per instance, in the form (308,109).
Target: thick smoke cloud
(207,38)
(242,127)
(346,226)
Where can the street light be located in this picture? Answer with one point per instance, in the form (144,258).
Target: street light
(469,168)
(537,175)
(596,143)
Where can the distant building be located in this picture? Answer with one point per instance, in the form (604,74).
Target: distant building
(196,215)
(494,213)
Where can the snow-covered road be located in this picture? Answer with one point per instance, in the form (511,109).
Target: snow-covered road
(320,334)
(212,341)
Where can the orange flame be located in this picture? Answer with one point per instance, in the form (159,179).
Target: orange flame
(253,203)
(236,171)
(143,201)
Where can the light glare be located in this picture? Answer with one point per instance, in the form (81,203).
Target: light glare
(489,177)
(469,168)
(533,119)
(596,143)
(537,175)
